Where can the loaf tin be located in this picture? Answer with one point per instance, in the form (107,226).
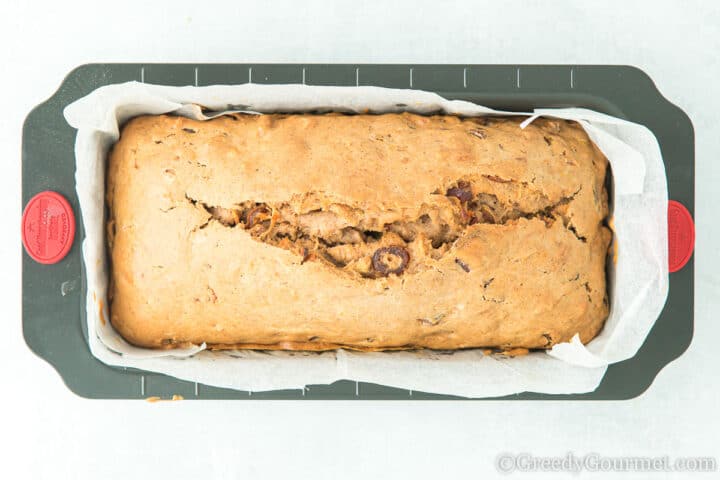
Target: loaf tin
(53,312)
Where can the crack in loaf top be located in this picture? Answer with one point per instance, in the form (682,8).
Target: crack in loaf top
(332,185)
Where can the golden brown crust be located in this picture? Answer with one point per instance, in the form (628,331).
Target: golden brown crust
(188,268)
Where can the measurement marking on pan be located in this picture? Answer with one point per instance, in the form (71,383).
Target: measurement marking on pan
(142,385)
(142,74)
(249,74)
(517,78)
(357,389)
(303,80)
(196,76)
(465,77)
(572,78)
(249,393)
(197,389)
(410,392)
(411,72)
(357,77)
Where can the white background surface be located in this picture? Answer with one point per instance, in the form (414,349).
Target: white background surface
(48,432)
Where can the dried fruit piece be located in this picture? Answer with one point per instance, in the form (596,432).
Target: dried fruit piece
(257,215)
(462,192)
(393,259)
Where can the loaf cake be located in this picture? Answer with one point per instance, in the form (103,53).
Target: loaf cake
(365,232)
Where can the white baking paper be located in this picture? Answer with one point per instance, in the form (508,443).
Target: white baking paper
(638,282)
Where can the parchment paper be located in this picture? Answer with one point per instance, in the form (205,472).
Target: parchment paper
(638,281)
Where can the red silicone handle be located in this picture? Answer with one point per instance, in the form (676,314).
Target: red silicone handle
(48,227)
(681,235)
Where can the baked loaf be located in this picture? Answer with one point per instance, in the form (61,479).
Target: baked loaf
(367,232)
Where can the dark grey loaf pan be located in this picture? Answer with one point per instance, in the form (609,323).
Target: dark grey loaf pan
(53,295)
